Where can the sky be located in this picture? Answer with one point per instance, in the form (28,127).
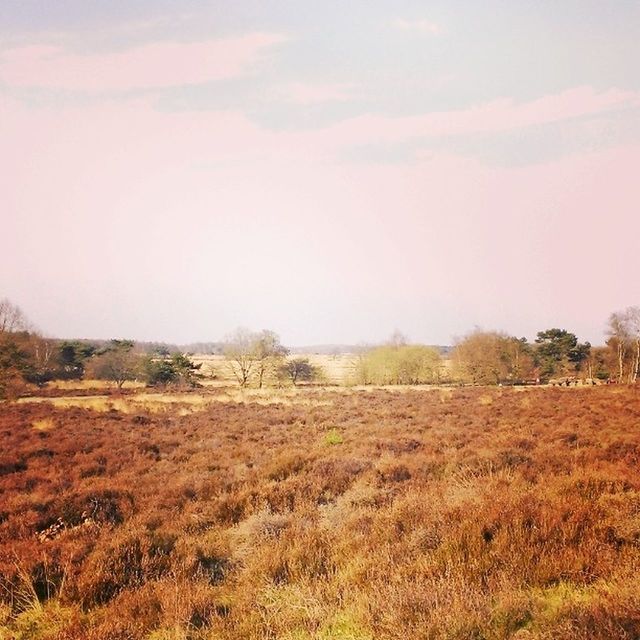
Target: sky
(171,170)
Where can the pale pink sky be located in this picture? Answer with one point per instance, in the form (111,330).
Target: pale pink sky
(132,208)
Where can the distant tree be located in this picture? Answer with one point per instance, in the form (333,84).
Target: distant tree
(253,355)
(633,327)
(159,372)
(187,370)
(239,353)
(15,364)
(623,329)
(269,354)
(518,358)
(479,357)
(398,363)
(72,357)
(177,369)
(298,370)
(558,352)
(16,357)
(600,364)
(116,363)
(492,357)
(161,351)
(579,355)
(42,357)
(12,320)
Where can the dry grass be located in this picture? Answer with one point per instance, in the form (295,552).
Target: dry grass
(455,514)
(43,424)
(184,403)
(335,369)
(75,385)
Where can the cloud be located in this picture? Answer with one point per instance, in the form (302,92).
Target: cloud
(496,116)
(422,26)
(308,93)
(241,208)
(156,65)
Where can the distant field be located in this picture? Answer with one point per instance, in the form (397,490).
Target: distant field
(338,369)
(351,514)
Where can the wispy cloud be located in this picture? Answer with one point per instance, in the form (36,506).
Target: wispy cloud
(304,93)
(421,26)
(157,65)
(495,116)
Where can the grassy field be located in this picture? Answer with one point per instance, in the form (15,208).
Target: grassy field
(334,369)
(352,514)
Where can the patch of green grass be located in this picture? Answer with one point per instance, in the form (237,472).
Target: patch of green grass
(40,622)
(333,437)
(343,627)
(552,601)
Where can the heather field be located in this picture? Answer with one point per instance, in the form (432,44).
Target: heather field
(480,513)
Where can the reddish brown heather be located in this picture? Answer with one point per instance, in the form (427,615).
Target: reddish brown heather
(472,513)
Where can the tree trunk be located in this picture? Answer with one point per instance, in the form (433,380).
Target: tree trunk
(260,375)
(621,354)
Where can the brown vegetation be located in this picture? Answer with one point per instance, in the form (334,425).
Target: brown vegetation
(453,513)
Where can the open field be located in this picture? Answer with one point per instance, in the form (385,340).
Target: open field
(480,513)
(334,369)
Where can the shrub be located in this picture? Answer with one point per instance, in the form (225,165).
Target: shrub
(400,364)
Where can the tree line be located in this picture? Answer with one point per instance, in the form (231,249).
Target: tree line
(28,358)
(260,359)
(556,355)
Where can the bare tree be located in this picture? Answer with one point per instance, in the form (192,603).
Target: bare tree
(633,328)
(253,354)
(619,338)
(118,363)
(42,351)
(11,317)
(239,350)
(479,357)
(269,354)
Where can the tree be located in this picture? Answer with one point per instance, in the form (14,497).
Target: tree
(479,357)
(269,354)
(177,369)
(491,357)
(398,363)
(519,360)
(72,357)
(12,320)
(623,329)
(187,371)
(599,364)
(298,370)
(558,352)
(25,356)
(116,363)
(633,327)
(238,350)
(42,356)
(253,354)
(15,365)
